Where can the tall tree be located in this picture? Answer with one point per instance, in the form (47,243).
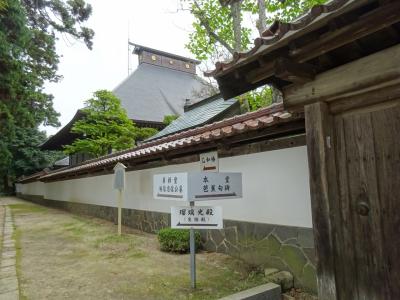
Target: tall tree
(104,127)
(218,29)
(28,59)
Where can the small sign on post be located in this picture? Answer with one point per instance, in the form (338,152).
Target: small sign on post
(196,217)
(209,161)
(119,184)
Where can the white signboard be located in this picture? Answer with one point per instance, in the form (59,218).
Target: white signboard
(196,217)
(170,186)
(209,185)
(209,161)
(119,176)
(197,186)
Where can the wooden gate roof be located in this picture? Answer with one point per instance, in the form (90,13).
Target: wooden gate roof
(327,36)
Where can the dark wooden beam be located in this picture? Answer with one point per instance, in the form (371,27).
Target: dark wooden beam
(266,70)
(283,68)
(378,19)
(291,71)
(376,71)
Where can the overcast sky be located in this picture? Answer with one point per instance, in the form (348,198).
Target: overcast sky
(152,23)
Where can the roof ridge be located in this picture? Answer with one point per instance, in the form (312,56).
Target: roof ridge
(139,48)
(226,122)
(262,118)
(195,131)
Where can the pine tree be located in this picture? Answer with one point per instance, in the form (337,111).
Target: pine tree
(104,127)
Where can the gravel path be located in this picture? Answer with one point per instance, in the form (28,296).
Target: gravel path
(8,276)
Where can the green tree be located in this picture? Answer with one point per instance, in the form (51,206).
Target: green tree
(144,133)
(27,60)
(27,157)
(168,119)
(219,30)
(105,127)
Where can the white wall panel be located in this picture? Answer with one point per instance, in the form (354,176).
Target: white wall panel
(275,188)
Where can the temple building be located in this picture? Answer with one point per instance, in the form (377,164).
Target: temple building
(161,85)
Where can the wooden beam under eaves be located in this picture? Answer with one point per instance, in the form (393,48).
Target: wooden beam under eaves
(375,20)
(382,17)
(285,69)
(291,71)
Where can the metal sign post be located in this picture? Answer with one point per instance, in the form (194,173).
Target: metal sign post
(209,184)
(192,255)
(119,184)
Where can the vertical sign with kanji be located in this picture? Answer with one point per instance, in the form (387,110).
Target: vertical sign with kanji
(209,161)
(119,184)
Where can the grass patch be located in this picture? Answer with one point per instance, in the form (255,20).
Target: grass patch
(77,229)
(137,254)
(115,239)
(81,228)
(27,208)
(129,266)
(114,246)
(213,284)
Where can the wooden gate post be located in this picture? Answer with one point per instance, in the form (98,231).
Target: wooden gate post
(323,187)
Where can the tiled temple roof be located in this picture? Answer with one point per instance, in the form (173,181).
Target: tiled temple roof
(222,130)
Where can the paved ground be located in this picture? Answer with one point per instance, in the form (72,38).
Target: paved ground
(8,276)
(64,256)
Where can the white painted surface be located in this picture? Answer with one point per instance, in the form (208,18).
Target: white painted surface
(36,188)
(275,188)
(197,217)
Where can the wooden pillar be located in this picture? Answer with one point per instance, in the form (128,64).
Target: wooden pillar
(323,187)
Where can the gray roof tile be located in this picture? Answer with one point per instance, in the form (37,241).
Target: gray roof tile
(151,92)
(203,112)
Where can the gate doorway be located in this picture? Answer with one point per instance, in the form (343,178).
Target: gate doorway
(354,160)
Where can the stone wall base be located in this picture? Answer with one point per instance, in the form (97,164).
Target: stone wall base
(272,246)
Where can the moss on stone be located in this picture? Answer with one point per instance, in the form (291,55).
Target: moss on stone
(271,244)
(259,252)
(309,278)
(294,258)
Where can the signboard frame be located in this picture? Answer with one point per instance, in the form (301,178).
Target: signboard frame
(196,217)
(197,186)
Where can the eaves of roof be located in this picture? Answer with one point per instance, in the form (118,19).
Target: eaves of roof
(31,178)
(280,34)
(64,136)
(220,131)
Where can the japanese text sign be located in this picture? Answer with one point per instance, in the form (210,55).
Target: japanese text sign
(170,186)
(196,186)
(119,176)
(209,161)
(196,217)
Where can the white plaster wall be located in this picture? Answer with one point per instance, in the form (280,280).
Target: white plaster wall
(275,188)
(36,188)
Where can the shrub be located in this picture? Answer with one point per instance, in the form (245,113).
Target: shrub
(177,240)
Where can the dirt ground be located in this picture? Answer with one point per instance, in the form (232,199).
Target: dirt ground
(65,256)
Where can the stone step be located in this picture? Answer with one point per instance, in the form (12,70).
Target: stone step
(269,291)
